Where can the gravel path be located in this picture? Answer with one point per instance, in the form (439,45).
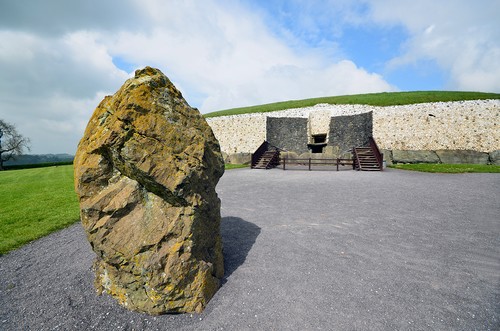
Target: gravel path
(304,250)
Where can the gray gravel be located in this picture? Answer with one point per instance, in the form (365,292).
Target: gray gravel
(304,250)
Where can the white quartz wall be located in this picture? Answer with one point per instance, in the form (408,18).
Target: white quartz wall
(473,125)
(319,122)
(240,133)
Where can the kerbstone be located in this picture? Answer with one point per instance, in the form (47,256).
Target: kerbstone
(495,157)
(462,156)
(239,158)
(409,156)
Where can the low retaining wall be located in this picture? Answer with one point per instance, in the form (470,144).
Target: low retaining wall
(441,156)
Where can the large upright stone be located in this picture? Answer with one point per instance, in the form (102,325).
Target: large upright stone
(145,173)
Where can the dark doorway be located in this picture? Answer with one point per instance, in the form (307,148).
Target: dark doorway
(319,138)
(318,143)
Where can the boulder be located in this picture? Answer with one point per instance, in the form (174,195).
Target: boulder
(145,174)
(495,157)
(410,156)
(239,158)
(289,155)
(387,156)
(462,156)
(331,151)
(313,156)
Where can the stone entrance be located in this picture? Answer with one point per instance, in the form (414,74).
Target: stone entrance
(320,133)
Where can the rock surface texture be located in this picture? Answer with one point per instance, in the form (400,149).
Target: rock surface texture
(145,173)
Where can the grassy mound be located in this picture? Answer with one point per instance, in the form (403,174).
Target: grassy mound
(372,99)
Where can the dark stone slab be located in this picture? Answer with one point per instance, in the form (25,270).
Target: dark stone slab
(495,157)
(288,133)
(462,156)
(350,131)
(411,156)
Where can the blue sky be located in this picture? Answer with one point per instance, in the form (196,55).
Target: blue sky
(371,46)
(59,58)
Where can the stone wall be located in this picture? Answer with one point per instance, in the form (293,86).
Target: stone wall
(448,156)
(349,131)
(464,125)
(239,134)
(319,122)
(288,133)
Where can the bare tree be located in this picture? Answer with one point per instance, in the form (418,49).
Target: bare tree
(12,143)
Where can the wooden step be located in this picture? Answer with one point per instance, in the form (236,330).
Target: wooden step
(367,159)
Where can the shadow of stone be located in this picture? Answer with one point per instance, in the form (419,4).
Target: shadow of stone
(238,237)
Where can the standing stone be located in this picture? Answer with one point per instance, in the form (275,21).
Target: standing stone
(145,173)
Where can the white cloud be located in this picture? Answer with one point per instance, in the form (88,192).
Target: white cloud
(462,37)
(57,65)
(50,86)
(230,58)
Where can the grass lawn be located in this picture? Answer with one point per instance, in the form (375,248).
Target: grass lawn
(373,99)
(34,203)
(449,168)
(236,166)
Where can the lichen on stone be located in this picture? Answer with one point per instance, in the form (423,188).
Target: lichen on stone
(145,173)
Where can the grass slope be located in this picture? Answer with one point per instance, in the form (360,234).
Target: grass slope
(34,203)
(373,99)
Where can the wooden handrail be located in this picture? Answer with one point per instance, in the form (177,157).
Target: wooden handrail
(376,151)
(356,162)
(258,153)
(309,162)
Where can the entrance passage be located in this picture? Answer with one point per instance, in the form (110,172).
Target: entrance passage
(318,143)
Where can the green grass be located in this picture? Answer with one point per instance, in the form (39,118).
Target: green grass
(236,166)
(34,203)
(37,165)
(449,168)
(373,99)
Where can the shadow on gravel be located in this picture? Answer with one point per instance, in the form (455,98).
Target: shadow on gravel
(238,237)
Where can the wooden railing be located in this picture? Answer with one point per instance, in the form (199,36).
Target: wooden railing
(258,153)
(355,159)
(275,160)
(313,162)
(379,156)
